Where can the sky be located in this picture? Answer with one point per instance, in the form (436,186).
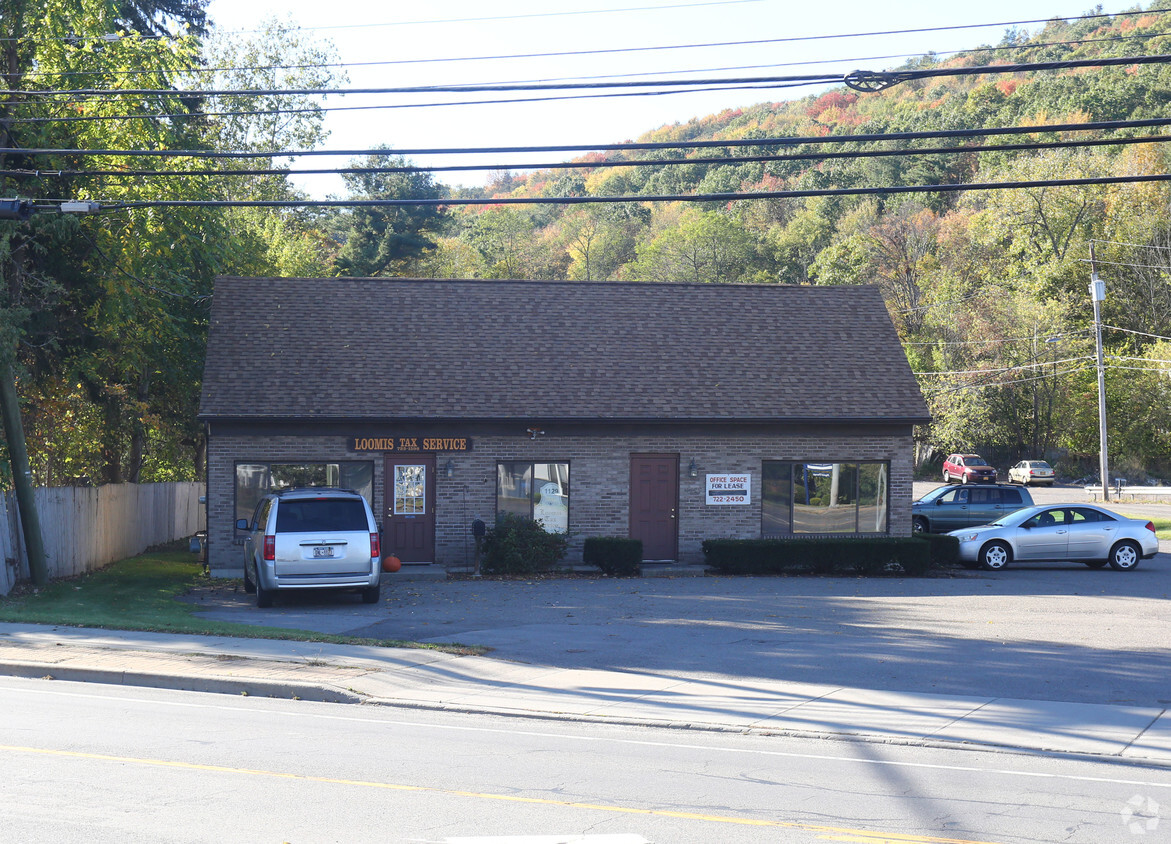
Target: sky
(416,35)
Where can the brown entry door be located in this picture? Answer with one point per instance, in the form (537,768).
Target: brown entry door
(409,527)
(654,499)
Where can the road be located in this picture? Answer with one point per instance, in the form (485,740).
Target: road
(107,764)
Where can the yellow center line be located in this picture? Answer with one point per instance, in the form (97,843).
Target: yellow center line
(828,833)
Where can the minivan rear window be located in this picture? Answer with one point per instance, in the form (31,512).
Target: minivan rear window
(317,514)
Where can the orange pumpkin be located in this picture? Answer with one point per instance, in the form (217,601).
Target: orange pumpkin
(391,563)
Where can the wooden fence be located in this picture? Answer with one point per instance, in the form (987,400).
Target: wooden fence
(85,528)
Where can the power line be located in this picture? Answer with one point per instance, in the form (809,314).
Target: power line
(790,39)
(977,385)
(646,145)
(993,340)
(619,162)
(1037,365)
(584,200)
(318,108)
(801,38)
(859,80)
(1132,331)
(1032,45)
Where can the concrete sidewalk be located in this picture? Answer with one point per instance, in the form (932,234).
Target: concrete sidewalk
(433,680)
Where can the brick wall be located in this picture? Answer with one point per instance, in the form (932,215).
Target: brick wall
(599,481)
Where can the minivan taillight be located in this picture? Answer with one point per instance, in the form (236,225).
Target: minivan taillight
(375,546)
(269,547)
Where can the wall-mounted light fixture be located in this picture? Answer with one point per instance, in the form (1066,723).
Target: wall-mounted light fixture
(449,469)
(692,469)
(534,433)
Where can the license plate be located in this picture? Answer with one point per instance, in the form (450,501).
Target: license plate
(322,551)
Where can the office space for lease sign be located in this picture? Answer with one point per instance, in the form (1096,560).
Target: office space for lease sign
(729,489)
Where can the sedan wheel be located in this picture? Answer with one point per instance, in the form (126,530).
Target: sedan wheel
(1124,556)
(995,556)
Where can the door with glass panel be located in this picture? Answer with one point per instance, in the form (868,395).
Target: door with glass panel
(409,517)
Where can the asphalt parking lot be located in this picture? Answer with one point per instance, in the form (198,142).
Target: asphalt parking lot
(1046,631)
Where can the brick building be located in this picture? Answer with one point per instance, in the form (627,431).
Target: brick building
(668,412)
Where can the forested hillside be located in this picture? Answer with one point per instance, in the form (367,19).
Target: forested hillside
(104,317)
(988,289)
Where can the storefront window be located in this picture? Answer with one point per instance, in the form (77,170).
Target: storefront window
(537,490)
(823,498)
(776,502)
(255,480)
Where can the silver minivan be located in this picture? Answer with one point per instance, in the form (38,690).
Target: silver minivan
(311,538)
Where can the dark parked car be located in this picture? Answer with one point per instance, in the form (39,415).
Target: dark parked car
(968,469)
(955,506)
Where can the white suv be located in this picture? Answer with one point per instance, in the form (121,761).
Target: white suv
(311,538)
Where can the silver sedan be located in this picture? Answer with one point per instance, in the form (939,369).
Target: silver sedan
(1057,532)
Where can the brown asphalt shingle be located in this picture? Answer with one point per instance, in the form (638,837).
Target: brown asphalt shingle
(385,349)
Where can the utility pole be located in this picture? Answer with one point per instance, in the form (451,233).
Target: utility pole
(22,483)
(1097,295)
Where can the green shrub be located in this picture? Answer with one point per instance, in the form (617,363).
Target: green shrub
(616,556)
(520,545)
(945,550)
(867,555)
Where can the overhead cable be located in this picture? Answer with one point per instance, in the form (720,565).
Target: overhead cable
(595,165)
(587,200)
(791,39)
(1031,45)
(1107,125)
(861,80)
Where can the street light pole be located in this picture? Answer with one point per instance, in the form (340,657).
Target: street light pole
(1097,295)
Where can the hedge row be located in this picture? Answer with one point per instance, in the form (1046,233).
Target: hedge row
(872,555)
(616,556)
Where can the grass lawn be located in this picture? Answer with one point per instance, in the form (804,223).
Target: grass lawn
(140,594)
(1162,524)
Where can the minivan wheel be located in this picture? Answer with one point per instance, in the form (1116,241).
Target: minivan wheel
(371,593)
(995,556)
(919,524)
(263,597)
(1124,556)
(249,586)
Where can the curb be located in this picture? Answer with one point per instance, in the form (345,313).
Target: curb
(215,685)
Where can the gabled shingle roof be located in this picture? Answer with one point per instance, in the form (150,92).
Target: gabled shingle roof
(386,349)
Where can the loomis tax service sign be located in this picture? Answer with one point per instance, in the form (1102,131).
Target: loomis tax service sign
(729,489)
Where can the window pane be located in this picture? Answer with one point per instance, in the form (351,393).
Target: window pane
(514,488)
(289,475)
(872,493)
(776,497)
(321,515)
(251,485)
(824,497)
(410,490)
(551,496)
(357,475)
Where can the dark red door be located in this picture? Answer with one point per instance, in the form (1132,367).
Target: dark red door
(654,499)
(409,525)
